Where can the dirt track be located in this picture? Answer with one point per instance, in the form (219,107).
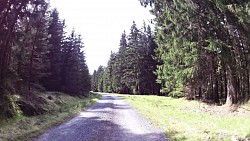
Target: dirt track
(110,119)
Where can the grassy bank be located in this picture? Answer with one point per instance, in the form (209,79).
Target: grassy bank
(184,120)
(60,107)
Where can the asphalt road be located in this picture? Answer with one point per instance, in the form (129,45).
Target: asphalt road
(110,119)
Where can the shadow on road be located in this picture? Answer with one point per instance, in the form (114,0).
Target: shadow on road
(97,129)
(97,124)
(105,130)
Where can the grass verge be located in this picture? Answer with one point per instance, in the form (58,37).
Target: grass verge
(60,107)
(183,120)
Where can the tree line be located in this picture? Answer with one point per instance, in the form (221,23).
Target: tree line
(36,53)
(131,69)
(202,50)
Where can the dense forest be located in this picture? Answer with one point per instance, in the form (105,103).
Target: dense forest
(131,69)
(199,50)
(36,54)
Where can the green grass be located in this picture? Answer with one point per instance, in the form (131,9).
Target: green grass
(61,108)
(180,123)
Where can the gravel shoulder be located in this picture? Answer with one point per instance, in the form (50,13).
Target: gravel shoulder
(110,119)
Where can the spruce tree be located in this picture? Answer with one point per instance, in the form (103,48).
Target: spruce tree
(56,33)
(131,69)
(203,46)
(74,71)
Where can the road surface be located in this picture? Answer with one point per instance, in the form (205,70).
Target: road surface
(110,119)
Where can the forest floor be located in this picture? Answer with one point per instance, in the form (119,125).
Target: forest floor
(60,108)
(184,120)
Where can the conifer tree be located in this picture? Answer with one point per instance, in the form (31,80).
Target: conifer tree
(94,82)
(203,46)
(120,65)
(131,69)
(56,33)
(74,71)
(100,72)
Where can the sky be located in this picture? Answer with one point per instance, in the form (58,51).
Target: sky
(101,23)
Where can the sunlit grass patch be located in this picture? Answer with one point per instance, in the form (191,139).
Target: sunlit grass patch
(186,120)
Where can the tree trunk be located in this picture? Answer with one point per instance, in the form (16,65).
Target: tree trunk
(215,90)
(215,81)
(231,85)
(225,81)
(247,86)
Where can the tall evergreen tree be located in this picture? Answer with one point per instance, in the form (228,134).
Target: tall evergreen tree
(56,33)
(74,71)
(148,63)
(94,82)
(120,65)
(132,69)
(100,72)
(204,46)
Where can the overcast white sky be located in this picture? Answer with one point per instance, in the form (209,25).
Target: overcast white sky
(101,23)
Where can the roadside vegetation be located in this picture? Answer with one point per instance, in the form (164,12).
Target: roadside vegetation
(59,108)
(184,120)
